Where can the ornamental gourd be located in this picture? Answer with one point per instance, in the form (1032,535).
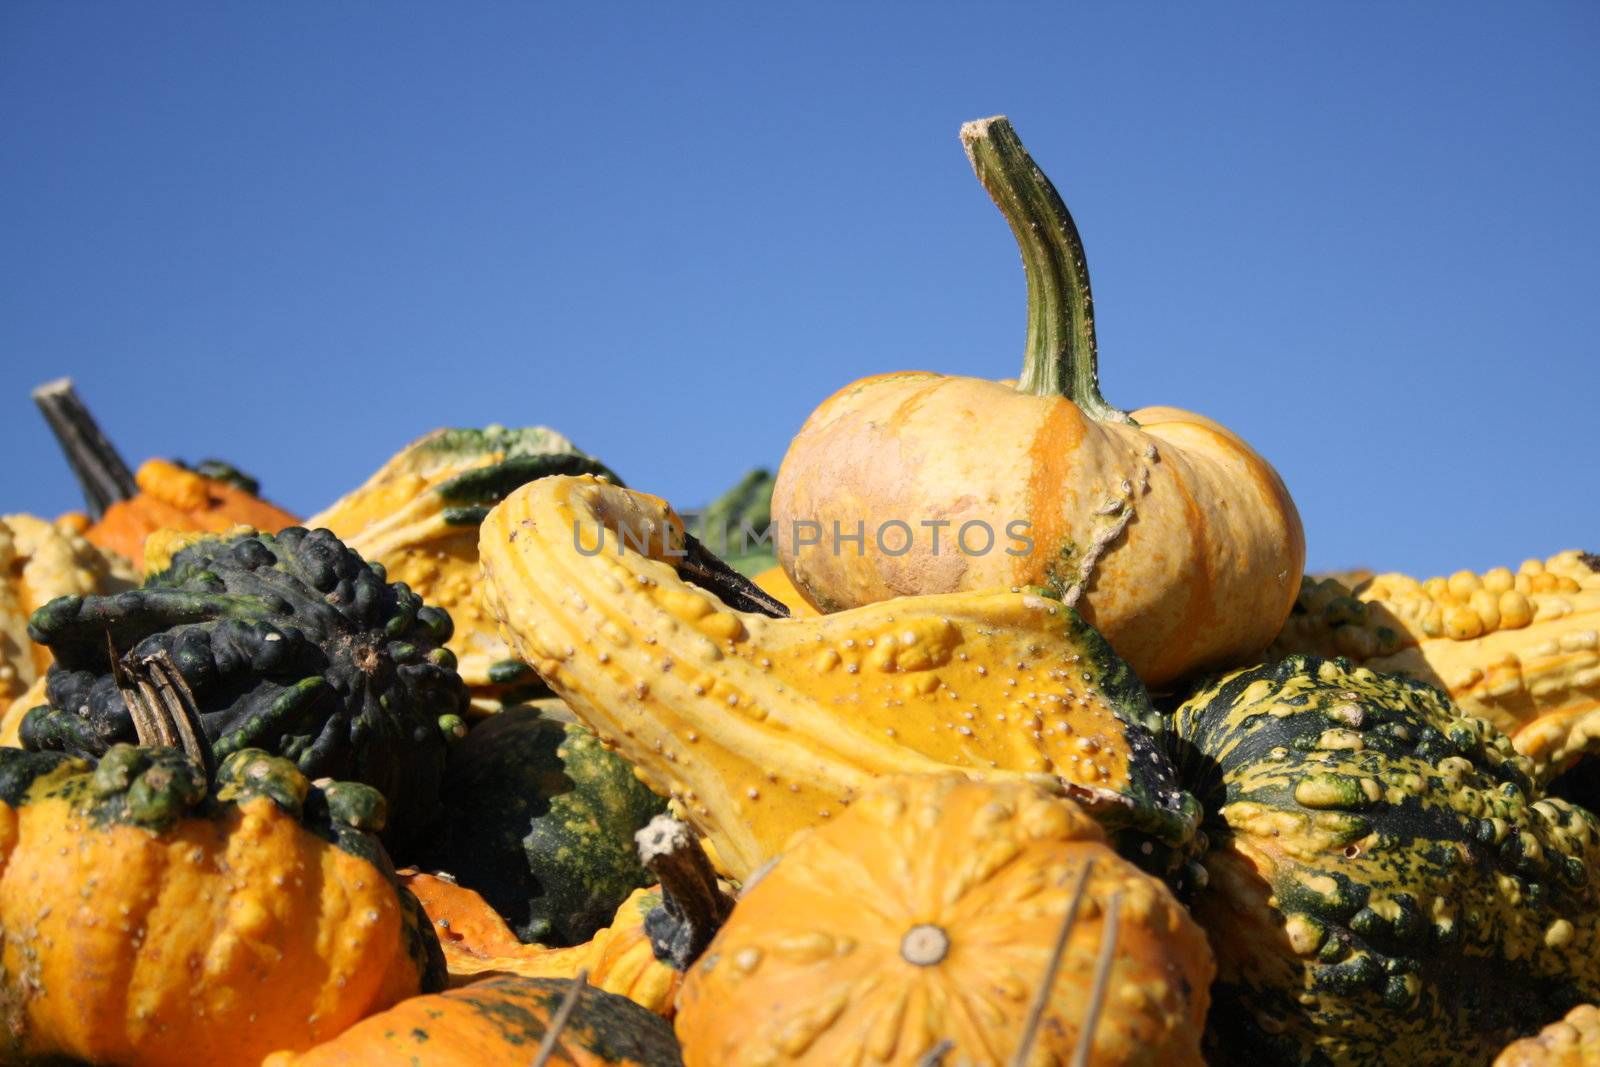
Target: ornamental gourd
(418,516)
(210,496)
(1386,884)
(150,921)
(760,726)
(478,944)
(1172,536)
(501,1022)
(1573,1041)
(1521,650)
(539,818)
(40,561)
(925,917)
(290,643)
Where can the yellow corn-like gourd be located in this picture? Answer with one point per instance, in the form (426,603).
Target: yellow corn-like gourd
(759,727)
(1521,649)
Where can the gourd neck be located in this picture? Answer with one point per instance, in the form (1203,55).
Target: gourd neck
(1061,357)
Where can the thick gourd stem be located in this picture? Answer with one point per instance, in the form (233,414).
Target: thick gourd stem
(1061,357)
(162,705)
(101,472)
(693,907)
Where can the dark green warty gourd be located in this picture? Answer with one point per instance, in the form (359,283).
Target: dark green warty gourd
(1385,883)
(289,643)
(540,820)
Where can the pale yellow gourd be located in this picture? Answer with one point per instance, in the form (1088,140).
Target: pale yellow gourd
(39,561)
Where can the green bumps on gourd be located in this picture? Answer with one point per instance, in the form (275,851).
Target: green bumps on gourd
(1385,883)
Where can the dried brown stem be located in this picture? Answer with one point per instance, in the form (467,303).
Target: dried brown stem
(1102,982)
(1041,996)
(100,470)
(693,907)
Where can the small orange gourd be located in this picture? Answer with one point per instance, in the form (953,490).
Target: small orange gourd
(478,944)
(927,918)
(149,920)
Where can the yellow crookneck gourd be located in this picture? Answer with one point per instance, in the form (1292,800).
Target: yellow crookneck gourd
(759,727)
(418,516)
(1519,649)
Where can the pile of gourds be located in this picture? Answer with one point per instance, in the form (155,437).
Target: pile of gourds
(1022,743)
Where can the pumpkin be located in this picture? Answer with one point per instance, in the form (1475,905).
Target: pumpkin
(418,516)
(737,525)
(1385,882)
(1170,534)
(539,819)
(927,916)
(502,1022)
(1521,650)
(1570,1042)
(288,642)
(478,944)
(759,726)
(149,920)
(163,494)
(40,561)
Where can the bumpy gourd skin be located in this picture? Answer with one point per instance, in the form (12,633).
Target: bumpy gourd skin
(418,517)
(1386,883)
(289,643)
(929,912)
(539,818)
(1521,650)
(149,922)
(760,727)
(40,561)
(1573,1041)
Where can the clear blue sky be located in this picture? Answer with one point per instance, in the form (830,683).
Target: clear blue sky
(297,235)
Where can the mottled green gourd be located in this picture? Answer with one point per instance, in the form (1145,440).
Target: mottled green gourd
(737,525)
(1385,883)
(289,643)
(540,821)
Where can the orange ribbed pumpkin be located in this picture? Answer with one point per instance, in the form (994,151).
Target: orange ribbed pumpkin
(1167,532)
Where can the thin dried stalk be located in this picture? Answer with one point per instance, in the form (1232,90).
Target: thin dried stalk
(1058,951)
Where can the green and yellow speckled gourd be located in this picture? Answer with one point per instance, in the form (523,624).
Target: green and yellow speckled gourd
(761,726)
(539,818)
(1521,650)
(40,561)
(1385,882)
(1573,1041)
(287,642)
(418,516)
(151,922)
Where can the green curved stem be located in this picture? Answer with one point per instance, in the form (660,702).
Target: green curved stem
(1061,357)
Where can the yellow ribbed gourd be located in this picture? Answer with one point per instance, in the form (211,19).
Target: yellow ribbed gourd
(39,561)
(1521,649)
(418,516)
(760,727)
